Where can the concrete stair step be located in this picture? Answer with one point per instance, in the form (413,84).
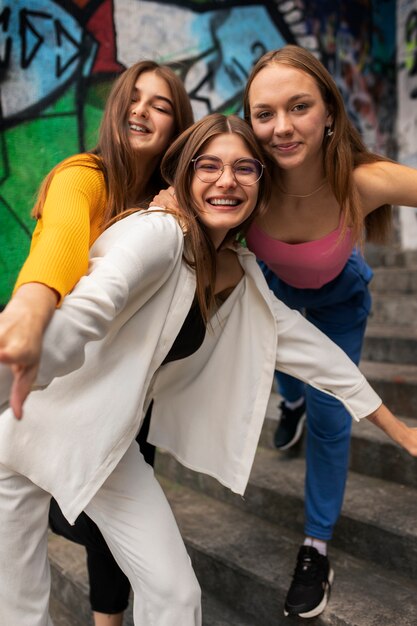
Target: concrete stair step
(61,616)
(375,513)
(389,256)
(69,605)
(371,452)
(248,562)
(400,309)
(398,280)
(391,343)
(395,383)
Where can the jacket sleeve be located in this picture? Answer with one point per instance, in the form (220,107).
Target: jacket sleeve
(306,353)
(128,263)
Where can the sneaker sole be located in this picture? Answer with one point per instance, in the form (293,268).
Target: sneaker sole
(297,435)
(320,607)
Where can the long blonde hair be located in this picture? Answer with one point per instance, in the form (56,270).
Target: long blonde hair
(342,151)
(177,169)
(119,163)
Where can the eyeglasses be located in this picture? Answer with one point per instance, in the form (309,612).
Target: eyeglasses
(245,171)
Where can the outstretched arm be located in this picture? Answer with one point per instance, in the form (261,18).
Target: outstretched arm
(57,259)
(306,353)
(399,432)
(129,263)
(22,326)
(385,182)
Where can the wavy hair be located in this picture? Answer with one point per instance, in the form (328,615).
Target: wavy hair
(342,151)
(176,168)
(114,155)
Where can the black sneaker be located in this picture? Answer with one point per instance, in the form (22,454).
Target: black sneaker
(310,587)
(290,427)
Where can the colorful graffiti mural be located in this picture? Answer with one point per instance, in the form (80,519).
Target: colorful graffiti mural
(58,59)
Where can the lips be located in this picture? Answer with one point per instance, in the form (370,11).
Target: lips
(286,147)
(139,128)
(223,202)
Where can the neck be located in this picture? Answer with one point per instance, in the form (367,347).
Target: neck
(144,173)
(297,185)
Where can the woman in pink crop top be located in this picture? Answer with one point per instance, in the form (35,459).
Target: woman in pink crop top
(329,193)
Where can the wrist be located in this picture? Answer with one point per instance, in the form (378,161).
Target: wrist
(34,300)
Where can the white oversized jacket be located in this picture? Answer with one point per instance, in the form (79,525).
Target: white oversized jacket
(113,332)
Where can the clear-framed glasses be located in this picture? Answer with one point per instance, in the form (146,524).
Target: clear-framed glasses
(209,168)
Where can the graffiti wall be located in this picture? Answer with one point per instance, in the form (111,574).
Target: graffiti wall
(58,59)
(407,107)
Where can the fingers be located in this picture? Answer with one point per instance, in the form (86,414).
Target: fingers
(166,199)
(23,381)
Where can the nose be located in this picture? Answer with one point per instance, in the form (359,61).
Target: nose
(140,109)
(227,178)
(283,125)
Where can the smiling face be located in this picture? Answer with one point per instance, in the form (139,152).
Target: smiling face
(288,115)
(151,115)
(225,203)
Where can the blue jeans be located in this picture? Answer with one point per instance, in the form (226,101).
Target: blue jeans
(340,310)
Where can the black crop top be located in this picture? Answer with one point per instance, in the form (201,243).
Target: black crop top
(190,337)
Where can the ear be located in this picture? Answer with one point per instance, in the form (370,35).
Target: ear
(329,119)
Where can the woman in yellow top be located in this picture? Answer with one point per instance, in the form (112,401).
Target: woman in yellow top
(147,109)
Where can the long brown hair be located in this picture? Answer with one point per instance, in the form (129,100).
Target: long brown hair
(176,168)
(113,155)
(342,151)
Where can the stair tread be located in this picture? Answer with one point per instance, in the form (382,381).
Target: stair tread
(267,552)
(62,616)
(68,559)
(373,501)
(378,329)
(394,372)
(394,507)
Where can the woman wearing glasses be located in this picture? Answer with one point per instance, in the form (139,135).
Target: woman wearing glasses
(150,273)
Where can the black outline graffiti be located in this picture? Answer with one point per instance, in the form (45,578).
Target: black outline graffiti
(25,26)
(4,22)
(60,31)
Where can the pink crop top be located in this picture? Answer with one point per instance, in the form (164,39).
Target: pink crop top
(308,265)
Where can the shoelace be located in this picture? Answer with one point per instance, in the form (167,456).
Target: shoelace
(306,569)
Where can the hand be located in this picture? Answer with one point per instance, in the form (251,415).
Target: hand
(411,444)
(397,430)
(22,326)
(166,199)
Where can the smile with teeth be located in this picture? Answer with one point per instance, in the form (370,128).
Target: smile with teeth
(223,201)
(138,128)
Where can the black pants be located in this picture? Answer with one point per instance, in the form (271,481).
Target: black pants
(109,587)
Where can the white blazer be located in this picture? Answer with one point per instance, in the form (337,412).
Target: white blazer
(113,332)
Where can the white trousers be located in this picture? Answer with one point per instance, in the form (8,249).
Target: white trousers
(137,522)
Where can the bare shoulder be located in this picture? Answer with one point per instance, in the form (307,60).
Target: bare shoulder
(385,182)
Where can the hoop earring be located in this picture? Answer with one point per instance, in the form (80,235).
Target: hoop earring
(329,132)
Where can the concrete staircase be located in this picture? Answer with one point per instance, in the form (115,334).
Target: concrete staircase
(244,549)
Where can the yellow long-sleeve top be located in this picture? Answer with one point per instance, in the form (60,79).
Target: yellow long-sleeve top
(70,223)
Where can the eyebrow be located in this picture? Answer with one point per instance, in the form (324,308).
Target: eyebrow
(156,97)
(297,96)
(167,100)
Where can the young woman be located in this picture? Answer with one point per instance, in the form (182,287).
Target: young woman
(329,194)
(147,108)
(147,272)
